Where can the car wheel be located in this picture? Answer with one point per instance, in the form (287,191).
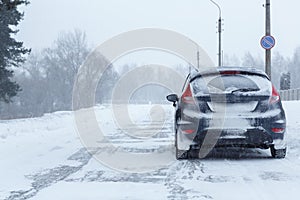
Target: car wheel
(277,153)
(180,154)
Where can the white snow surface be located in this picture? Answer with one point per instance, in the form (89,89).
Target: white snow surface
(44,159)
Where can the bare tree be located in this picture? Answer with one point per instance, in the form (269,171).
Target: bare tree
(47,77)
(61,65)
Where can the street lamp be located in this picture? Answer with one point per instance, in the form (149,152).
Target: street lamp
(219,32)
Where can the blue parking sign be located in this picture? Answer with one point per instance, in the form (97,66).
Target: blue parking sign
(267,42)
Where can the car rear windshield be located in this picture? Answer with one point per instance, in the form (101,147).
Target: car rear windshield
(232,83)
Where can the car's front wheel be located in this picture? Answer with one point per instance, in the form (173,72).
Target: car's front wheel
(277,153)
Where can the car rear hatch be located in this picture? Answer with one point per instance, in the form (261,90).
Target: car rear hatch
(232,99)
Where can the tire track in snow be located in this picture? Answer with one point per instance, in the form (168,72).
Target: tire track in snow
(49,177)
(179,173)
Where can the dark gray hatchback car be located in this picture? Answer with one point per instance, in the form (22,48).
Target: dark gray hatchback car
(228,107)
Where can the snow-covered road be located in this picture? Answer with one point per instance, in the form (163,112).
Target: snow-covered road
(43,158)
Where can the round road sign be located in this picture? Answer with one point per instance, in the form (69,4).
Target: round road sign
(267,42)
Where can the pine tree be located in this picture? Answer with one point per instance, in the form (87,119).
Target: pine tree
(11,51)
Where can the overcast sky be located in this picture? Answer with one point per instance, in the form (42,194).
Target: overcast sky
(244,22)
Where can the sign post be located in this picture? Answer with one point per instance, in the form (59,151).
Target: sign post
(268,39)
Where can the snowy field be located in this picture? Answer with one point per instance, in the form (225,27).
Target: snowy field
(44,159)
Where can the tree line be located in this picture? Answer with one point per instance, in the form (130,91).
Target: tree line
(44,83)
(46,79)
(284,69)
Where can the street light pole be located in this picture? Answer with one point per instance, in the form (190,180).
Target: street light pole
(220,39)
(220,34)
(268,32)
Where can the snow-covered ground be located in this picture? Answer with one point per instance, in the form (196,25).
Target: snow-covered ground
(43,158)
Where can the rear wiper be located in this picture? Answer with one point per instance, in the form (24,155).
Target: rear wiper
(245,90)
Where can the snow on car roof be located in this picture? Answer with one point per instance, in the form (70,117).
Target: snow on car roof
(213,70)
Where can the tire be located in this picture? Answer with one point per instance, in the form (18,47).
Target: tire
(180,154)
(278,153)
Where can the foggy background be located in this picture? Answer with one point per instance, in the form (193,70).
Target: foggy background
(62,33)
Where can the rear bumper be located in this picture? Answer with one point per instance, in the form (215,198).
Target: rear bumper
(249,138)
(238,137)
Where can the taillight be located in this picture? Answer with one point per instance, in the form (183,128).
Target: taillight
(275,96)
(187,96)
(188,131)
(278,130)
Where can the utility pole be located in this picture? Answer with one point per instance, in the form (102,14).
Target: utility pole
(220,34)
(268,32)
(198,53)
(220,39)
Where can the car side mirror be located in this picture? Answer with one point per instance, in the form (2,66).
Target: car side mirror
(172,98)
